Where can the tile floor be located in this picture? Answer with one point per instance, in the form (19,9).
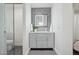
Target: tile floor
(16,51)
(42,52)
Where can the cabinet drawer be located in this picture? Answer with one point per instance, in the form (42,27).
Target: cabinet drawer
(41,38)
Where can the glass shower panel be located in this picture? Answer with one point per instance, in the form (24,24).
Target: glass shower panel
(9,28)
(2,32)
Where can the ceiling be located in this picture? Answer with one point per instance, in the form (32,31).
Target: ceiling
(39,5)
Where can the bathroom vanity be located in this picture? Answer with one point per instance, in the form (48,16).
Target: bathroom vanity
(40,35)
(41,40)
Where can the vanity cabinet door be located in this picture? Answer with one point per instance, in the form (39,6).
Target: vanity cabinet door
(32,41)
(42,41)
(50,40)
(41,44)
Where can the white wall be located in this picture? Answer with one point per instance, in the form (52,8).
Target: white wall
(76,26)
(68,28)
(27,27)
(18,24)
(63,28)
(57,26)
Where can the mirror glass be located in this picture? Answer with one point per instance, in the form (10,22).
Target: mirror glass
(40,20)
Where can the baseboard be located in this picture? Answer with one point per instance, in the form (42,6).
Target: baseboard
(26,52)
(57,52)
(41,48)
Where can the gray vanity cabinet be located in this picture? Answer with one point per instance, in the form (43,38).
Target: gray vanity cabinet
(32,40)
(41,40)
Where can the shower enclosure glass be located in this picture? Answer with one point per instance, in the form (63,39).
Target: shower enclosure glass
(9,27)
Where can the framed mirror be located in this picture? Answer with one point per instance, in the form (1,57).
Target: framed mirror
(40,20)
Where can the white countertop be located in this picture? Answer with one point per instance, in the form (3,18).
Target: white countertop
(41,32)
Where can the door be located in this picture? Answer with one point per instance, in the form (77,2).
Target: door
(2,31)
